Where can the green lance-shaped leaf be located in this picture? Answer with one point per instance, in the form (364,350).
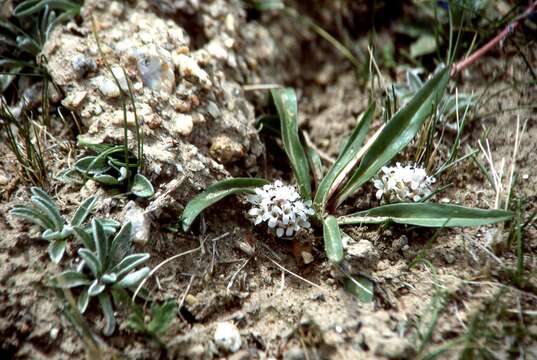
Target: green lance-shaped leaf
(106,305)
(106,179)
(33,216)
(101,242)
(109,278)
(96,288)
(85,238)
(333,246)
(129,263)
(101,159)
(83,301)
(110,226)
(51,235)
(92,261)
(286,104)
(30,7)
(121,242)
(56,249)
(428,215)
(316,164)
(133,279)
(69,279)
(83,211)
(44,203)
(83,165)
(215,193)
(361,287)
(347,160)
(142,187)
(397,133)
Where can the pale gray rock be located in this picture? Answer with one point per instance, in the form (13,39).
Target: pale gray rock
(140,221)
(227,337)
(361,255)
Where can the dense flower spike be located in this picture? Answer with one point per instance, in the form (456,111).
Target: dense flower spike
(281,207)
(403,183)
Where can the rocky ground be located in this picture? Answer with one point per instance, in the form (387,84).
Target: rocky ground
(192,66)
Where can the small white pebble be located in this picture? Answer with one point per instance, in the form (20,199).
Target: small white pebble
(227,337)
(54,332)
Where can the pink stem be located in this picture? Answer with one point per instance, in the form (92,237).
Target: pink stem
(461,65)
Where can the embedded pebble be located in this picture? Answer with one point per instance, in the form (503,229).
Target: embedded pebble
(294,353)
(183,124)
(216,49)
(226,150)
(362,255)
(156,70)
(73,100)
(189,67)
(141,224)
(227,337)
(54,332)
(395,348)
(119,74)
(107,84)
(82,65)
(107,87)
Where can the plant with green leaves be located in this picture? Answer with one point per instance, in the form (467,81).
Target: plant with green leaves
(25,33)
(158,323)
(357,164)
(448,106)
(107,269)
(109,167)
(26,141)
(46,215)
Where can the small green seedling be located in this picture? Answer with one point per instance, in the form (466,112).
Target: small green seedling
(356,165)
(106,270)
(159,322)
(46,215)
(110,167)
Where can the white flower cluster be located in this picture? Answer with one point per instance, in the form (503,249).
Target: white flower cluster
(281,207)
(403,183)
